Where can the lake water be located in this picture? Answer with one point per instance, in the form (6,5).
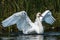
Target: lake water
(31,37)
(51,36)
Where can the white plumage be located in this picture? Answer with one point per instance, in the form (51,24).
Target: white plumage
(24,23)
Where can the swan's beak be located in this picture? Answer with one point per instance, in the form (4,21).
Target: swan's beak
(38,14)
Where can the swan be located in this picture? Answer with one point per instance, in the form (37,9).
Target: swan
(24,23)
(36,26)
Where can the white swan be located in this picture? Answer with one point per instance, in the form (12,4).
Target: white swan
(36,26)
(26,25)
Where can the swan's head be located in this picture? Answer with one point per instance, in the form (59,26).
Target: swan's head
(38,14)
(24,13)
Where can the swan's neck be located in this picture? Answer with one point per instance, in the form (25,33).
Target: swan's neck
(39,22)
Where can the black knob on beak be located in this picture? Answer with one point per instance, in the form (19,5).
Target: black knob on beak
(24,13)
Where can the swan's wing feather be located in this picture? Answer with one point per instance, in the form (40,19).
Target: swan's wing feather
(47,17)
(11,20)
(24,24)
(20,18)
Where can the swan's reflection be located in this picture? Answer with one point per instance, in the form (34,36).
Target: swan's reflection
(36,37)
(30,37)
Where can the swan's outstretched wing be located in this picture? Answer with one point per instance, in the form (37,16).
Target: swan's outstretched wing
(12,19)
(21,19)
(47,17)
(24,23)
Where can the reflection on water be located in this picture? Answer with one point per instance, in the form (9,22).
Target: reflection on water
(30,37)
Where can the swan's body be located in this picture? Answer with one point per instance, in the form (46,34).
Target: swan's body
(25,24)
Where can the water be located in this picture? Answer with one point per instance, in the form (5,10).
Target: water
(51,36)
(31,37)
